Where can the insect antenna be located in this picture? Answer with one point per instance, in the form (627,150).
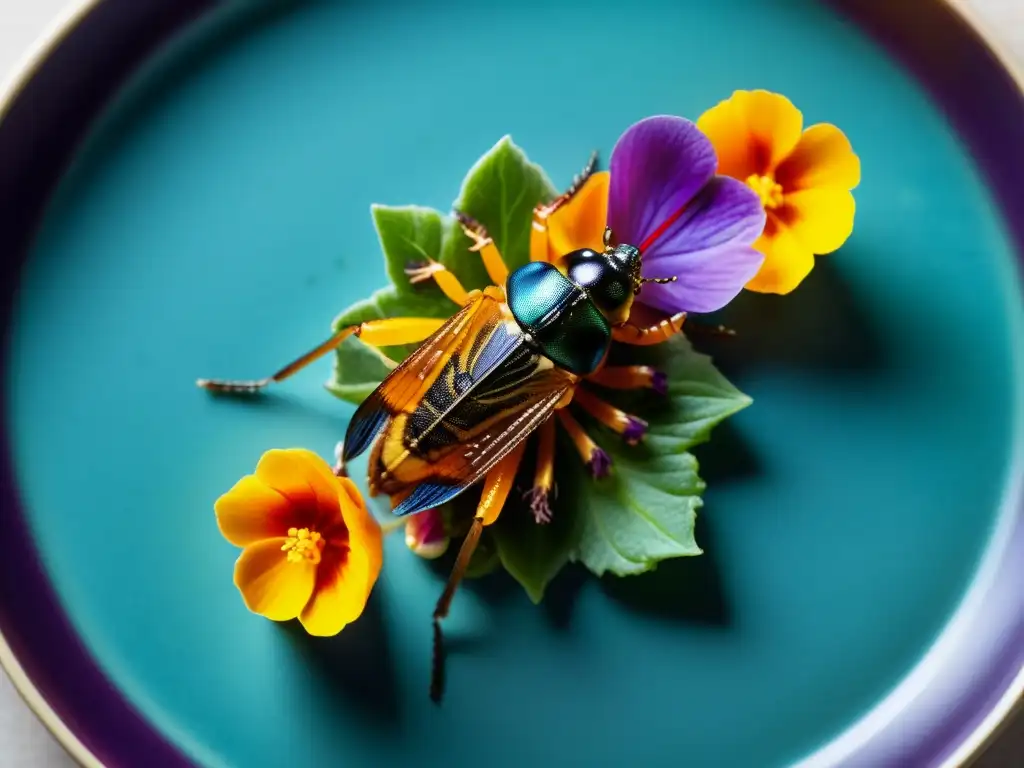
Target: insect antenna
(640,281)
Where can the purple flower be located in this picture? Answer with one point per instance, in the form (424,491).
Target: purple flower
(665,199)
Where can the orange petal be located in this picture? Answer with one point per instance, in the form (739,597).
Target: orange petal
(252,511)
(821,219)
(822,158)
(341,592)
(350,493)
(752,132)
(271,585)
(580,223)
(725,125)
(787,261)
(364,534)
(302,477)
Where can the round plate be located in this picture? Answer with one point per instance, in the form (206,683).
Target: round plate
(189,184)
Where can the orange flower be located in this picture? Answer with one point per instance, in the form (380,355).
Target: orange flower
(312,550)
(580,223)
(804,178)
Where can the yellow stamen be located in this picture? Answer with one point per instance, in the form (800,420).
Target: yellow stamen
(303,544)
(769,190)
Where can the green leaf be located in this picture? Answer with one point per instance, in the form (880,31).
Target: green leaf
(363,369)
(645,511)
(699,396)
(642,514)
(500,191)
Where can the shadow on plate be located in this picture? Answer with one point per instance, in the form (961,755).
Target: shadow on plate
(687,590)
(726,458)
(302,410)
(819,326)
(356,664)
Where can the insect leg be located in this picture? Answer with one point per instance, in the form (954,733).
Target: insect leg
(377,333)
(539,228)
(630,427)
(482,242)
(652,334)
(497,484)
(445,279)
(598,462)
(630,377)
(544,479)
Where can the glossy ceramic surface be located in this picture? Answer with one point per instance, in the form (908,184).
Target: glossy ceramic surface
(218,217)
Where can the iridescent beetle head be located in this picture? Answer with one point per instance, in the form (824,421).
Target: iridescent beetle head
(611,278)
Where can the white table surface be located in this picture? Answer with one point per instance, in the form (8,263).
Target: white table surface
(24,742)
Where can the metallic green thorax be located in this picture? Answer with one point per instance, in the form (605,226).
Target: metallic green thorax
(568,307)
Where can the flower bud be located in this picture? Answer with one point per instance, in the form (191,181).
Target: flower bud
(426,534)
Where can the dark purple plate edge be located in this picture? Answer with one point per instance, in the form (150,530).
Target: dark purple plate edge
(980,93)
(54,110)
(39,134)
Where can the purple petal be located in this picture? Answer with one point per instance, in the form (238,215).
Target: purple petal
(707,249)
(725,210)
(711,279)
(656,168)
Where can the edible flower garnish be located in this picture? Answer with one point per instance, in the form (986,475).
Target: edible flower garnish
(803,178)
(311,549)
(662,195)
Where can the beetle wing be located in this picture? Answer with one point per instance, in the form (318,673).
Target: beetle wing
(403,388)
(470,437)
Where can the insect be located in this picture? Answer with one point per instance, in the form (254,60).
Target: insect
(510,361)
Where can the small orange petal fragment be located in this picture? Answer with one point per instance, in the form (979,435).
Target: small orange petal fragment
(580,223)
(364,533)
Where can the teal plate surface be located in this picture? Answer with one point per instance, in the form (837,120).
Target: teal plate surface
(218,217)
